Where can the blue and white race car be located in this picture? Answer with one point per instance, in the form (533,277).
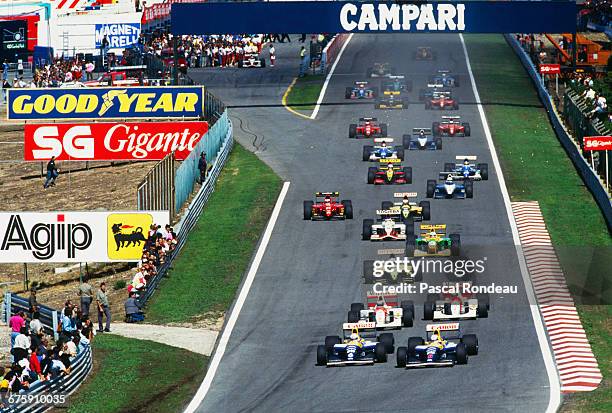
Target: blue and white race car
(429,91)
(450,189)
(422,138)
(361,90)
(445,347)
(383,150)
(466,170)
(360,345)
(444,78)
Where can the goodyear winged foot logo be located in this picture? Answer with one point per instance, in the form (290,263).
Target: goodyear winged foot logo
(107,100)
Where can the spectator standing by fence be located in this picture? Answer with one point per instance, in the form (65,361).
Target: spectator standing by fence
(202,166)
(103,309)
(272,55)
(52,173)
(86,295)
(16,322)
(32,302)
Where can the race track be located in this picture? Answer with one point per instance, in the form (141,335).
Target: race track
(311,271)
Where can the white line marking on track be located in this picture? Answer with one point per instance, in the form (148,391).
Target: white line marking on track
(314,113)
(555,388)
(244,292)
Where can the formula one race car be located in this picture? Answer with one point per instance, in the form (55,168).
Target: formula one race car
(456,306)
(396,84)
(383,151)
(252,60)
(390,102)
(432,241)
(450,189)
(380,70)
(466,170)
(441,100)
(360,344)
(367,128)
(451,126)
(389,172)
(389,272)
(444,78)
(428,92)
(445,348)
(421,139)
(361,90)
(328,208)
(383,311)
(409,210)
(424,53)
(388,227)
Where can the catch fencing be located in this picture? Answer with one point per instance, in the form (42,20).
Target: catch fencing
(156,192)
(573,149)
(80,366)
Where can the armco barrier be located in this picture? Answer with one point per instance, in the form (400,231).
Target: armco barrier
(80,367)
(584,169)
(331,51)
(191,215)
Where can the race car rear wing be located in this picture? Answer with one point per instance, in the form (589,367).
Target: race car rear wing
(320,194)
(468,157)
(388,212)
(433,227)
(368,119)
(381,140)
(389,160)
(434,85)
(391,251)
(448,331)
(442,92)
(451,117)
(364,329)
(444,71)
(404,194)
(389,299)
(396,77)
(417,131)
(361,82)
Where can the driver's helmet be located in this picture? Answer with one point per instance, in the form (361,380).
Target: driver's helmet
(405,200)
(435,337)
(432,234)
(380,302)
(449,180)
(354,336)
(390,166)
(328,199)
(383,144)
(466,162)
(422,132)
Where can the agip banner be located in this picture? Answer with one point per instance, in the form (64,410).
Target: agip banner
(133,141)
(80,236)
(376,17)
(106,103)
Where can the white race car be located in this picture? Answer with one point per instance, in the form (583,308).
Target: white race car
(456,306)
(383,311)
(383,150)
(389,227)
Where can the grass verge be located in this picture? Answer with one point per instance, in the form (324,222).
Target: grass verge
(536,167)
(206,275)
(138,376)
(304,93)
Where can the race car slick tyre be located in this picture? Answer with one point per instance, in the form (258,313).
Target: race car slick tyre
(357,307)
(455,106)
(485,299)
(353,317)
(455,247)
(456,80)
(412,343)
(388,341)
(447,309)
(348,92)
(428,310)
(466,129)
(402,355)
(435,128)
(438,143)
(380,353)
(367,150)
(406,141)
(367,229)
(432,297)
(461,354)
(471,344)
(426,212)
(407,318)
(371,174)
(386,205)
(263,62)
(352,130)
(374,92)
(484,171)
(409,223)
(308,209)
(431,188)
(321,355)
(400,153)
(448,167)
(482,311)
(240,63)
(410,246)
(331,341)
(469,189)
(383,130)
(348,209)
(408,174)
(407,305)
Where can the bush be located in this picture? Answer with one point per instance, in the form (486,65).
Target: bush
(119,285)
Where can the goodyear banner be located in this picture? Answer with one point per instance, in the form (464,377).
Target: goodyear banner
(36,237)
(106,103)
(340,16)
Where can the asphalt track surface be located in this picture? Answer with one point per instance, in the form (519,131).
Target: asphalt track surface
(311,271)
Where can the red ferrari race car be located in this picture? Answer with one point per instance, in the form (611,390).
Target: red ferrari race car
(326,207)
(441,100)
(367,128)
(451,126)
(390,171)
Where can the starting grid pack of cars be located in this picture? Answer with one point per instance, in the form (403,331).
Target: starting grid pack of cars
(365,339)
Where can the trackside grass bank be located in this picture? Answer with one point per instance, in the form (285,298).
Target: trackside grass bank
(138,376)
(206,274)
(537,168)
(304,93)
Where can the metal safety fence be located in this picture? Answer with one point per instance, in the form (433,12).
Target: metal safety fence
(156,192)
